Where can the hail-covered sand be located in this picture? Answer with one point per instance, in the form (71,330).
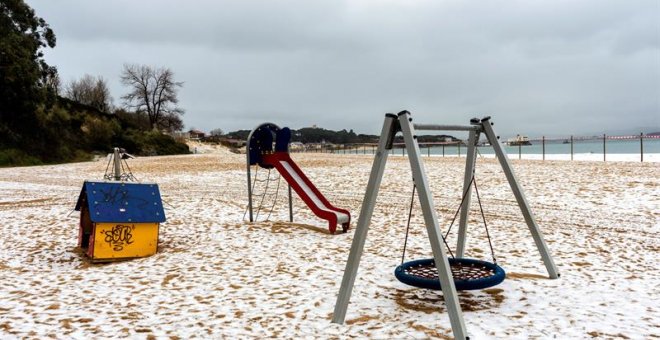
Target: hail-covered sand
(216,275)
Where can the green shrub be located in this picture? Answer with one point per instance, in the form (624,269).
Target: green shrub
(156,143)
(99,132)
(15,157)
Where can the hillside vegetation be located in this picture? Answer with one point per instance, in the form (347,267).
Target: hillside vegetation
(38,125)
(69,131)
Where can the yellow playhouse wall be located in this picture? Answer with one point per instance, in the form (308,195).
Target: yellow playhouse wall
(122,240)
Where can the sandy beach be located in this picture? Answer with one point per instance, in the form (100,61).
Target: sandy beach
(216,275)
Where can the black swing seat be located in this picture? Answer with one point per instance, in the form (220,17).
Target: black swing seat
(469,274)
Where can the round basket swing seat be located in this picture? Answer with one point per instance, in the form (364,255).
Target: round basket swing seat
(469,274)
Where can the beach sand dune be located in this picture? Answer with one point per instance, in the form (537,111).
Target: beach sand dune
(216,275)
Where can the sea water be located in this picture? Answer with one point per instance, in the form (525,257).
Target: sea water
(557,147)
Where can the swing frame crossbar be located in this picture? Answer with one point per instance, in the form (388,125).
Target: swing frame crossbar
(402,122)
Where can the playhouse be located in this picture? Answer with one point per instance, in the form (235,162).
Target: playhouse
(119,220)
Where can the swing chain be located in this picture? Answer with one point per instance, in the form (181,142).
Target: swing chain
(483,217)
(473,181)
(405,242)
(467,190)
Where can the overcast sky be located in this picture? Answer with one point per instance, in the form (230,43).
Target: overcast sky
(549,68)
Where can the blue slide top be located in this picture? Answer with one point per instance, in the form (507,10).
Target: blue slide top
(261,142)
(282,139)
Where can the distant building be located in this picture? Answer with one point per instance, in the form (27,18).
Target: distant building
(296,146)
(196,134)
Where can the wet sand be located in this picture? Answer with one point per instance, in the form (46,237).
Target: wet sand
(216,275)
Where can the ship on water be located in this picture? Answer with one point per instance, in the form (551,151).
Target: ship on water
(518,140)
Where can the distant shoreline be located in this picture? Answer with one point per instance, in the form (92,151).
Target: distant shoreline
(615,157)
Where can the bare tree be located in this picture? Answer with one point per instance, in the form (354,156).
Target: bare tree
(92,91)
(217,132)
(153,91)
(171,122)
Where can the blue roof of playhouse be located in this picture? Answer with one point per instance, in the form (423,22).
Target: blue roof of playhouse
(122,202)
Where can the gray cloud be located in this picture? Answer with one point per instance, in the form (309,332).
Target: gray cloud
(543,67)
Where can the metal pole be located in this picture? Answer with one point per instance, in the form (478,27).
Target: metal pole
(459,148)
(433,229)
(249,189)
(521,199)
(519,151)
(117,164)
(249,176)
(543,141)
(367,210)
(428,151)
(604,150)
(571,147)
(290,205)
(470,159)
(443,150)
(641,146)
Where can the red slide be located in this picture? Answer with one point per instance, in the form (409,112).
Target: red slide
(307,191)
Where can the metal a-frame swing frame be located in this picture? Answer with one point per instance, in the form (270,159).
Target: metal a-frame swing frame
(403,122)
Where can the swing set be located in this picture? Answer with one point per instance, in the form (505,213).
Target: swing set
(448,274)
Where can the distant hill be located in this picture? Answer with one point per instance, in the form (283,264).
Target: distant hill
(319,135)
